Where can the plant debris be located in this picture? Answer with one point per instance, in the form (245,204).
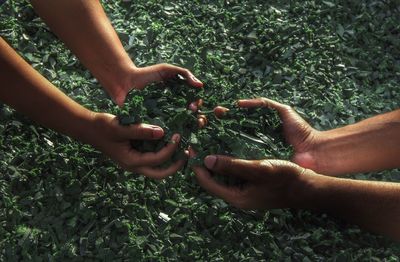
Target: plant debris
(336,61)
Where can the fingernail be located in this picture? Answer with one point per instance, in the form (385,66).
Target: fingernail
(210,161)
(157,132)
(175,138)
(193,107)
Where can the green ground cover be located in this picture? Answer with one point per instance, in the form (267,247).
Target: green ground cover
(335,61)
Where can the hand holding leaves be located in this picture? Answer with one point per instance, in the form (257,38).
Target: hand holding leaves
(266,184)
(114,140)
(297,131)
(139,78)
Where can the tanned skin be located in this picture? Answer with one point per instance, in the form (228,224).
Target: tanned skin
(86,30)
(309,181)
(84,27)
(25,90)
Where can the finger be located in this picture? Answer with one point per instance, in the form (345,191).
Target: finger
(270,169)
(166,71)
(191,152)
(202,121)
(230,194)
(200,102)
(228,166)
(158,173)
(260,102)
(277,166)
(220,111)
(172,70)
(193,107)
(196,105)
(154,158)
(141,132)
(162,72)
(190,78)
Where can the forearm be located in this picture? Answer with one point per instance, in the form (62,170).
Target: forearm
(31,94)
(86,30)
(370,145)
(374,206)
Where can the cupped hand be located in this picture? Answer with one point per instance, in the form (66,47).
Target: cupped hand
(297,131)
(266,184)
(139,78)
(114,140)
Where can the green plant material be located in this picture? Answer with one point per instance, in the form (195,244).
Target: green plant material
(243,133)
(336,62)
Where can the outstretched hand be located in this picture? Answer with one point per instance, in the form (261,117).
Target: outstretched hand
(297,131)
(139,78)
(114,140)
(267,183)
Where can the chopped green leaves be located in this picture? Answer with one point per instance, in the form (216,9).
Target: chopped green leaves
(335,61)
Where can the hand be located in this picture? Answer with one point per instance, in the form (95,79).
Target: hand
(138,78)
(297,131)
(114,140)
(267,183)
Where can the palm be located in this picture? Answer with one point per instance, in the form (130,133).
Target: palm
(297,131)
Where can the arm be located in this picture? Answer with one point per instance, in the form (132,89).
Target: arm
(28,92)
(370,145)
(86,30)
(280,184)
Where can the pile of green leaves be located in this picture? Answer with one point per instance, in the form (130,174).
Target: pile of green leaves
(242,133)
(336,61)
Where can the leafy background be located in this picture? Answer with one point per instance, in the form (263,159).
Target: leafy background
(336,61)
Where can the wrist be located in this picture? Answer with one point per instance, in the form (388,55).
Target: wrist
(306,191)
(85,129)
(116,78)
(311,156)
(99,128)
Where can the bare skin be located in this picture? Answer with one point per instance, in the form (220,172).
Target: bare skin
(48,106)
(366,146)
(86,30)
(282,184)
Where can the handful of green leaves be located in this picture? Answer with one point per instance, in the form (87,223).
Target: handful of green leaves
(242,133)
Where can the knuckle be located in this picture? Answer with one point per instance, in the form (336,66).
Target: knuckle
(264,101)
(142,132)
(161,68)
(287,108)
